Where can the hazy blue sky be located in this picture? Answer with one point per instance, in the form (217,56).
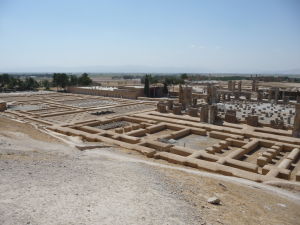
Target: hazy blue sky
(150,36)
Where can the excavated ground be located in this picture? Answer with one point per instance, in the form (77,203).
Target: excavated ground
(43,180)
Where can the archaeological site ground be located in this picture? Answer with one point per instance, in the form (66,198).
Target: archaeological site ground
(243,130)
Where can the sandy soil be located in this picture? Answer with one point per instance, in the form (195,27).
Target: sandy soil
(45,181)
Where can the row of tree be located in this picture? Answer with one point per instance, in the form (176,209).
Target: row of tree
(13,83)
(59,80)
(63,80)
(169,79)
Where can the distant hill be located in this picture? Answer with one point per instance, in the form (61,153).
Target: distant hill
(132,69)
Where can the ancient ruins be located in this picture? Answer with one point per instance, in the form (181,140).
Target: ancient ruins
(235,130)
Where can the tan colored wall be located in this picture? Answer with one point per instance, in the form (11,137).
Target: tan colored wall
(118,82)
(130,93)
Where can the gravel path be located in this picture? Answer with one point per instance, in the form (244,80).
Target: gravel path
(43,189)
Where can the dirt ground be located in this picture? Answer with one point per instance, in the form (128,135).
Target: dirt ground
(43,180)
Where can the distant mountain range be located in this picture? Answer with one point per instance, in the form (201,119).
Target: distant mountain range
(142,69)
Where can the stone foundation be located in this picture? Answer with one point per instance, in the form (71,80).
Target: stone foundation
(3,106)
(162,107)
(193,112)
(259,154)
(252,121)
(177,109)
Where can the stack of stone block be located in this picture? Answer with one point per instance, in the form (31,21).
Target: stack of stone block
(230,116)
(3,106)
(193,112)
(252,120)
(162,107)
(177,108)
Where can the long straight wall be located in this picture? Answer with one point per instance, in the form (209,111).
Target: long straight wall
(117,93)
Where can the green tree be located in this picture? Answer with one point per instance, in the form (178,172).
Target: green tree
(46,84)
(30,83)
(4,80)
(12,83)
(153,79)
(55,80)
(165,88)
(73,80)
(184,76)
(84,80)
(147,86)
(173,80)
(20,85)
(60,80)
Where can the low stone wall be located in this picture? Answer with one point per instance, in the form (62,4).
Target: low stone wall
(129,93)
